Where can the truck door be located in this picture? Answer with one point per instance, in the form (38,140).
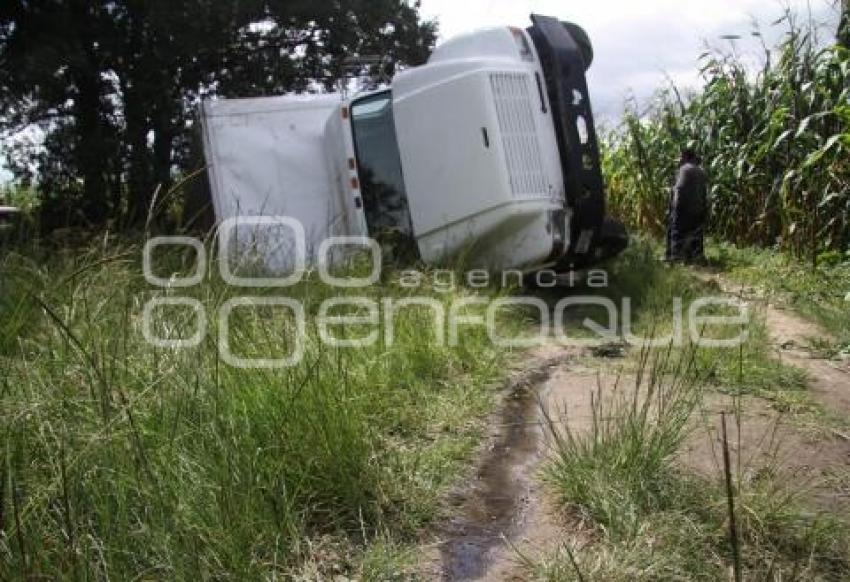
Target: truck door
(381,179)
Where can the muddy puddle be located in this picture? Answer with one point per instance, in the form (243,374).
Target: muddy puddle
(493,508)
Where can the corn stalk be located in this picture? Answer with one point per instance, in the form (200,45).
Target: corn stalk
(776,146)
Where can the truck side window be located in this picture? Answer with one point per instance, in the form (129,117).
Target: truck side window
(379,166)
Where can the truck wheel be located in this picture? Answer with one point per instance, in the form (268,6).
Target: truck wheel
(583,40)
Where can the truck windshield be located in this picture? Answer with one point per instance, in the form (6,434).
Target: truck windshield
(379,167)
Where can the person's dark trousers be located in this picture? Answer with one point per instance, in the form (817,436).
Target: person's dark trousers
(685,237)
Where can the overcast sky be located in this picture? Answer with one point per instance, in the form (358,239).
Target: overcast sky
(637,43)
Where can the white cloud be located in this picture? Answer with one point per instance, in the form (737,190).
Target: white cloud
(638,44)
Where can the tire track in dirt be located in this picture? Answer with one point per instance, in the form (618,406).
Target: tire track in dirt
(504,512)
(791,335)
(829,380)
(763,438)
(492,509)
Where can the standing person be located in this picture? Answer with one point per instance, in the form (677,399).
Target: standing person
(688,211)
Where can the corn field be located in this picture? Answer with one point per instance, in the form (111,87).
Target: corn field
(775,143)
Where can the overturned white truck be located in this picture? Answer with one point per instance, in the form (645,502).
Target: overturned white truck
(488,152)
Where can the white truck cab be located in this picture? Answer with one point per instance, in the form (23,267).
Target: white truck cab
(487,153)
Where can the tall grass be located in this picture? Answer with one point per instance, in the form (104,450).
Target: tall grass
(120,460)
(648,518)
(620,473)
(776,145)
(622,468)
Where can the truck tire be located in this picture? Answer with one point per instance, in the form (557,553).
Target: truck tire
(583,40)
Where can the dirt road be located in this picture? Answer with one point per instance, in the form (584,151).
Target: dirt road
(505,515)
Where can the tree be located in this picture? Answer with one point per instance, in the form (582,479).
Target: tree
(114,83)
(844,24)
(52,60)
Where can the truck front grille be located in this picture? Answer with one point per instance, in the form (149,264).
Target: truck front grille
(520,143)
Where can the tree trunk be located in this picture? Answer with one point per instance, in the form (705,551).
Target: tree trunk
(165,133)
(90,154)
(91,149)
(140,182)
(140,185)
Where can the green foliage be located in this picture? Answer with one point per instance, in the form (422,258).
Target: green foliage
(652,519)
(122,460)
(688,539)
(26,199)
(775,143)
(622,469)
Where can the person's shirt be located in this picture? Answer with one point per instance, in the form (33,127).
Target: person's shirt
(691,191)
